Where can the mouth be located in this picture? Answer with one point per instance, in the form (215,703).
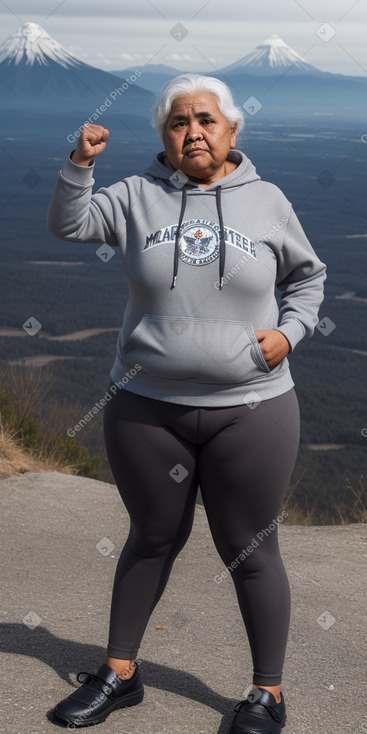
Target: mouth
(196,151)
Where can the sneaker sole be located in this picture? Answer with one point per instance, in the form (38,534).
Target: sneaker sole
(233,731)
(131,700)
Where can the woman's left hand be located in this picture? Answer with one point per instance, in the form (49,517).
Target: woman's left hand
(273,345)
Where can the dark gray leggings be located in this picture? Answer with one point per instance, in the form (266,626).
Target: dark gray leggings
(242,458)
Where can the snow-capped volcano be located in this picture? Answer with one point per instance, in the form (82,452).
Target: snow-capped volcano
(273,56)
(31,44)
(38,72)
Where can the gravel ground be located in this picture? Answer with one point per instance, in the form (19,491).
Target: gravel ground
(55,607)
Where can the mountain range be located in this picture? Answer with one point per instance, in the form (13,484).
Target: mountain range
(37,72)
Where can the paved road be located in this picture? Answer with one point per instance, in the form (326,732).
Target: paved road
(198,668)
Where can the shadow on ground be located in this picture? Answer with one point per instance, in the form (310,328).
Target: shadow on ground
(67,658)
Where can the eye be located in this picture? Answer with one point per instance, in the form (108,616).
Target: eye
(207,119)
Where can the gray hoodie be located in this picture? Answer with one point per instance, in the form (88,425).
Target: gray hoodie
(202,266)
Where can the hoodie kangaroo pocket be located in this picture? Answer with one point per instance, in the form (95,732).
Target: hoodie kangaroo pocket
(196,349)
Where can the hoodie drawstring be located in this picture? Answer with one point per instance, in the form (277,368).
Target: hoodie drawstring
(175,258)
(222,242)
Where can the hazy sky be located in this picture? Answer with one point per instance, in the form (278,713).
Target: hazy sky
(115,34)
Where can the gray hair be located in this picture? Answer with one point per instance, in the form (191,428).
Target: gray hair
(189,84)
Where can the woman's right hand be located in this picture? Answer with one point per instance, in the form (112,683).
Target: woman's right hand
(92,141)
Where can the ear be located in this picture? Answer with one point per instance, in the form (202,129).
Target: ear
(233,134)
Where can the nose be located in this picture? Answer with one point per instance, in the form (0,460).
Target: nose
(193,132)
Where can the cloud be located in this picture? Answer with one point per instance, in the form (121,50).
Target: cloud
(184,57)
(298,11)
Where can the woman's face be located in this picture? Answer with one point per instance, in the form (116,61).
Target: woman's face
(197,136)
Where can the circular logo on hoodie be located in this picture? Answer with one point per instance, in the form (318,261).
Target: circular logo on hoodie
(199,242)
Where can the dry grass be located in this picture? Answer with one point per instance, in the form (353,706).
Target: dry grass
(15,460)
(355,510)
(28,389)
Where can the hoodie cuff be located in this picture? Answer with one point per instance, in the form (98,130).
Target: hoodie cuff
(80,175)
(293,331)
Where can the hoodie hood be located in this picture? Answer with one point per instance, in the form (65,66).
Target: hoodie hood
(244,173)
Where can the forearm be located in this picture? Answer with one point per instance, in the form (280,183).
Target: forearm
(301,276)
(72,215)
(300,305)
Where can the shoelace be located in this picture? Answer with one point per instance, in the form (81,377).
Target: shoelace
(85,678)
(274,714)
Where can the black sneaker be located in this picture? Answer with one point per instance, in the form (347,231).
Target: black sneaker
(259,714)
(99,695)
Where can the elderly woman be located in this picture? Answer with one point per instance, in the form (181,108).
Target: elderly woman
(201,392)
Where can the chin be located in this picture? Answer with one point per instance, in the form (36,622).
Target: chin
(195,170)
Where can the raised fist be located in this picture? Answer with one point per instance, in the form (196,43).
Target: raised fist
(92,142)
